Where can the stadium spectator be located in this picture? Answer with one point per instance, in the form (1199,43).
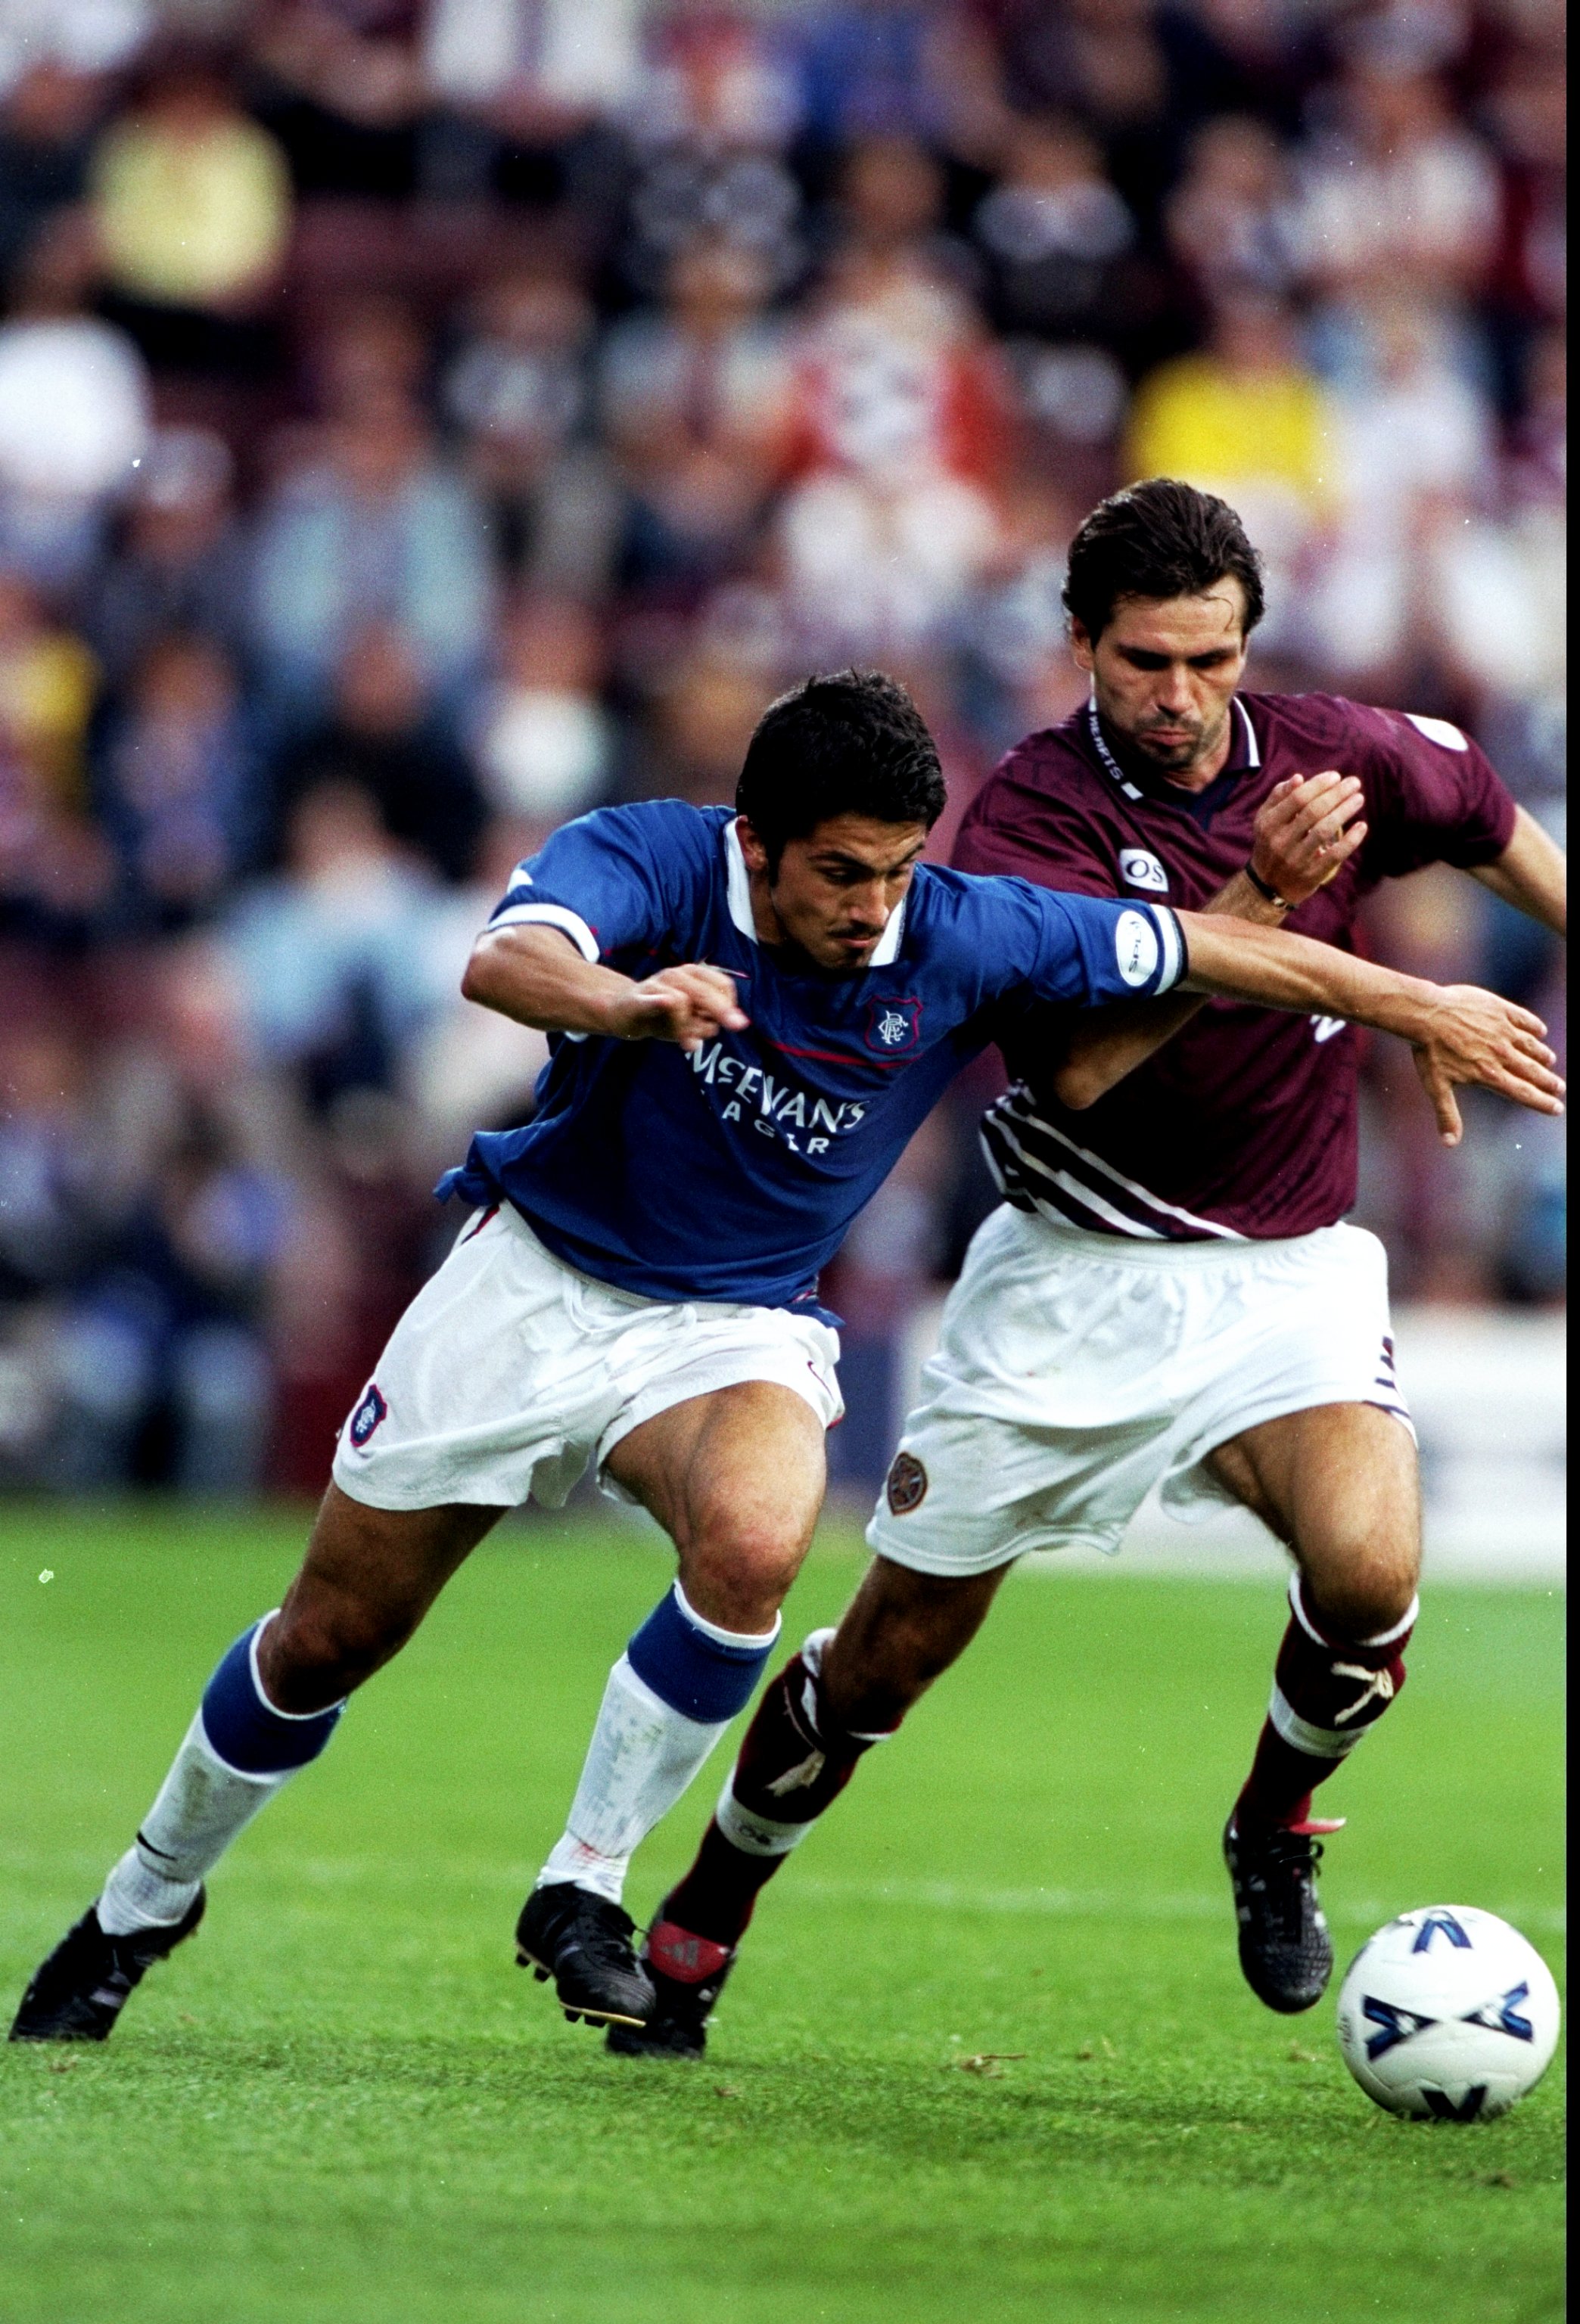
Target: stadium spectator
(56,868)
(517,389)
(331,957)
(545,744)
(191,202)
(1245,416)
(180,562)
(48,115)
(1232,219)
(709,130)
(81,37)
(1059,238)
(697,397)
(372,527)
(74,410)
(192,1162)
(179,795)
(1397,186)
(383,737)
(339,83)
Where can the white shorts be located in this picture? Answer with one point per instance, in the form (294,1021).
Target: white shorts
(510,1372)
(1077,1370)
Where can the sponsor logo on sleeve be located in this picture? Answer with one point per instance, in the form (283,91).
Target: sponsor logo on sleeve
(907,1485)
(1437,730)
(1136,947)
(1140,868)
(368,1415)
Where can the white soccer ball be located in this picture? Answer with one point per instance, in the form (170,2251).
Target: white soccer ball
(1448,2012)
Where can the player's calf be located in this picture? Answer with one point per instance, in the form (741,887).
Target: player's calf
(238,1753)
(1328,1690)
(669,1698)
(795,1760)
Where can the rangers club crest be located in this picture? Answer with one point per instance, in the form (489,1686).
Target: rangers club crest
(368,1415)
(894,1027)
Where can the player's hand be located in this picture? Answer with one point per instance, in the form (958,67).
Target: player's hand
(685,1005)
(1474,1035)
(1307,829)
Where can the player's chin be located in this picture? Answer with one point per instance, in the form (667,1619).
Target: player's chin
(1171,749)
(849,955)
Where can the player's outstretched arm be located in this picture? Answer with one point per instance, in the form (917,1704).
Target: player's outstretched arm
(1458,1032)
(538,976)
(1531,874)
(1309,825)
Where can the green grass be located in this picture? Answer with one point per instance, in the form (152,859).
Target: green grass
(343,2103)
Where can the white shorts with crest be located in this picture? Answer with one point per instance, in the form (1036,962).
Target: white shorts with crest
(1076,1371)
(510,1372)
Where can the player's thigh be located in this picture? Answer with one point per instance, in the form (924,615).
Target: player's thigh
(368,1578)
(736,1478)
(1339,1483)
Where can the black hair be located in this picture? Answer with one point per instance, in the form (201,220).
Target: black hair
(850,743)
(1161,538)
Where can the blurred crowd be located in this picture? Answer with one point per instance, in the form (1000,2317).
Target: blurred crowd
(421,420)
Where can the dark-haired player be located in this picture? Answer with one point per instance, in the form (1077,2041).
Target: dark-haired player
(751,1013)
(1169,1295)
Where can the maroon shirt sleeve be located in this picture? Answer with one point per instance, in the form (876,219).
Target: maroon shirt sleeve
(1024,820)
(1432,795)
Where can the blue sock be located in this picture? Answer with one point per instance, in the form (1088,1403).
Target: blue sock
(703,1672)
(670,1698)
(242,1725)
(237,1754)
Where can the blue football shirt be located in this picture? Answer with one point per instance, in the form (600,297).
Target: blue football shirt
(732,1174)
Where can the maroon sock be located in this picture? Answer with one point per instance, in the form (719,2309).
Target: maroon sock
(1328,1691)
(794,1762)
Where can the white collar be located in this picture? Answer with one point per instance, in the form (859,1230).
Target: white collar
(739,896)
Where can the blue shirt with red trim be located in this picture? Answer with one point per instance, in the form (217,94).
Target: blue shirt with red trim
(732,1174)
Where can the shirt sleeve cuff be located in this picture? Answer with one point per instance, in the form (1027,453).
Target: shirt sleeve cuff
(548,916)
(1171,937)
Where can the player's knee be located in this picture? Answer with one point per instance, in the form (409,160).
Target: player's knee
(736,1570)
(317,1653)
(1364,1595)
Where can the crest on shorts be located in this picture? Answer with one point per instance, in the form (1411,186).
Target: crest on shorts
(906,1486)
(893,1027)
(368,1415)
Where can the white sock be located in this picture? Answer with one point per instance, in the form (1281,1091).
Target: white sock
(643,1756)
(202,1804)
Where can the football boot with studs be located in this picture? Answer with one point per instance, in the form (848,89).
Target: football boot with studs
(79,1991)
(584,1942)
(688,1975)
(1286,1953)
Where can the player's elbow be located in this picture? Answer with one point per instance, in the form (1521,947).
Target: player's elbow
(477,979)
(1078,1085)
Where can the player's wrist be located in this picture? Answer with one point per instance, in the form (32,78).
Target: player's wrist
(1269,890)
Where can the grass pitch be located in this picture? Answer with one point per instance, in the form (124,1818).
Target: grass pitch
(988,2053)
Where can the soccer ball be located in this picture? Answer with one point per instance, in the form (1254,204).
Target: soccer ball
(1448,2013)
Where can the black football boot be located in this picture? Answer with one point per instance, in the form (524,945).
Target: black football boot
(584,1943)
(678,2027)
(1286,1953)
(77,1994)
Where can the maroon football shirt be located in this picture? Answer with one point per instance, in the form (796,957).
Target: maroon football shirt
(1244,1123)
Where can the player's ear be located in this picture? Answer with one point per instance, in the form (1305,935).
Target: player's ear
(753,847)
(1081,643)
